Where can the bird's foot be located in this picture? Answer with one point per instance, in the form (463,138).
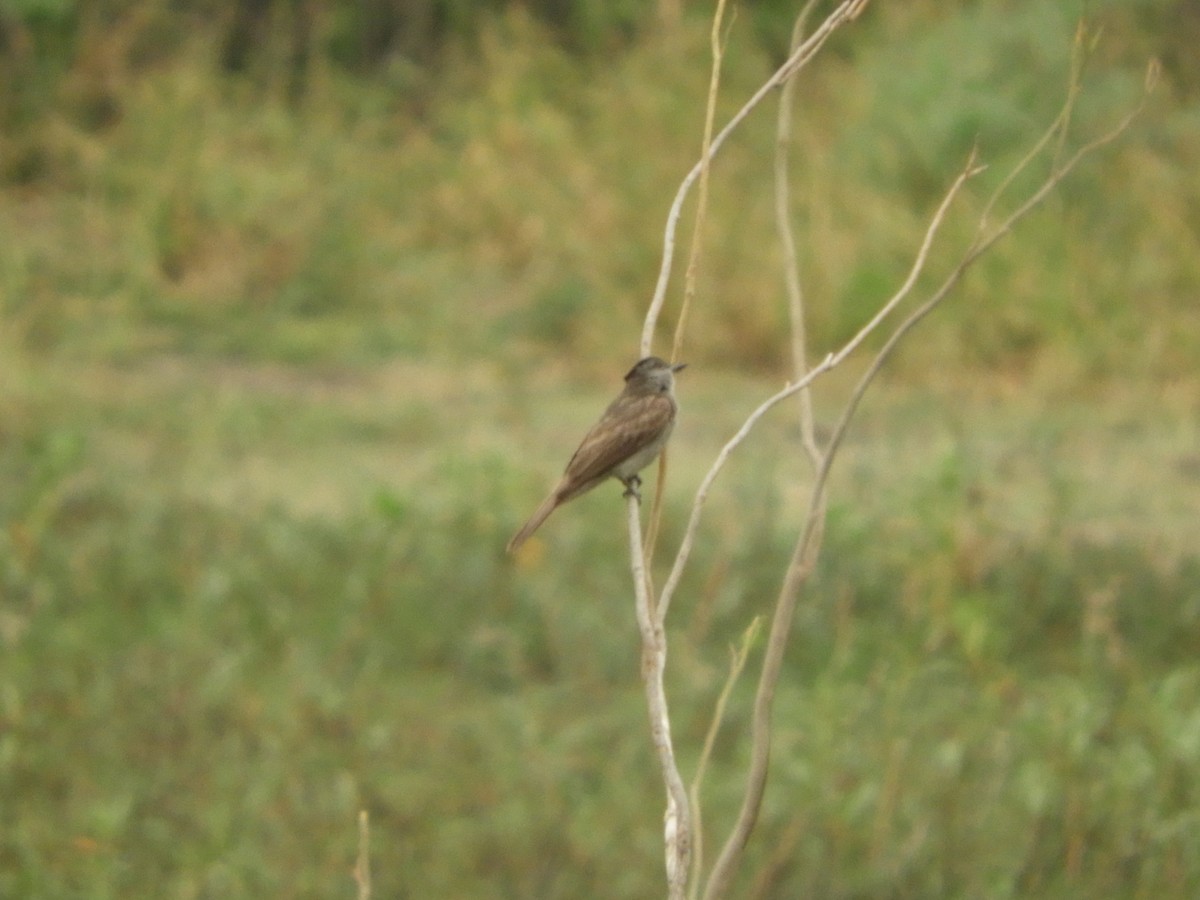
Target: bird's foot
(632,483)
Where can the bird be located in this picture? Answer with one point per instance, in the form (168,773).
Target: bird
(627,438)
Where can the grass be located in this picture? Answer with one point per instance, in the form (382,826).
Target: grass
(278,615)
(276,385)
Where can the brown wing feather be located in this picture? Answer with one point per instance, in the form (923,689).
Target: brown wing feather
(626,427)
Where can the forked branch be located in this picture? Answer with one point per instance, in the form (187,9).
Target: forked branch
(831,361)
(651,611)
(804,556)
(843,13)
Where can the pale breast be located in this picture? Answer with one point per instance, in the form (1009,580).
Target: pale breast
(644,456)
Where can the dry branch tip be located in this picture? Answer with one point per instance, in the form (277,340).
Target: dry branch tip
(1153,73)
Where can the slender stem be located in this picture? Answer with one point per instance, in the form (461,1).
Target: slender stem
(710,114)
(737,663)
(845,12)
(677,826)
(362,866)
(787,245)
(804,554)
(689,281)
(829,362)
(799,567)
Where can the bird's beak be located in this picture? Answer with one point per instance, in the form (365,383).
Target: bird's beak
(678,366)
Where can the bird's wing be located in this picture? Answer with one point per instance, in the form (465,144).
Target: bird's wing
(625,428)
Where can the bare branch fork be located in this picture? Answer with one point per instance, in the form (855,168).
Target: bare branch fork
(678,826)
(803,556)
(845,12)
(804,553)
(681,834)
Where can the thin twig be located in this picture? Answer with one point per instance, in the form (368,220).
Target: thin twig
(362,866)
(984,243)
(787,244)
(795,296)
(797,572)
(803,556)
(678,829)
(710,113)
(829,362)
(677,826)
(845,12)
(737,663)
(689,281)
(1057,128)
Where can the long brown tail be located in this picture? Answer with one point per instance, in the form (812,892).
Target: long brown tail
(535,521)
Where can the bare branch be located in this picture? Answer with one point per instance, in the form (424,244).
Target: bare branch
(677,827)
(831,361)
(804,553)
(710,114)
(689,289)
(362,866)
(737,663)
(845,12)
(1056,129)
(985,242)
(651,616)
(787,241)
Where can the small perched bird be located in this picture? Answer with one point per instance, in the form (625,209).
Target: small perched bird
(630,434)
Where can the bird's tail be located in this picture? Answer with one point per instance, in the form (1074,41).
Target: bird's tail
(535,521)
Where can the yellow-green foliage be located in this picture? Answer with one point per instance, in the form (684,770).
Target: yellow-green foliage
(522,199)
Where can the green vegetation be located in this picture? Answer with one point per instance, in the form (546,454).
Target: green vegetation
(290,341)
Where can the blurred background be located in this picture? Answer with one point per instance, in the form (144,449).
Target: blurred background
(305,303)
